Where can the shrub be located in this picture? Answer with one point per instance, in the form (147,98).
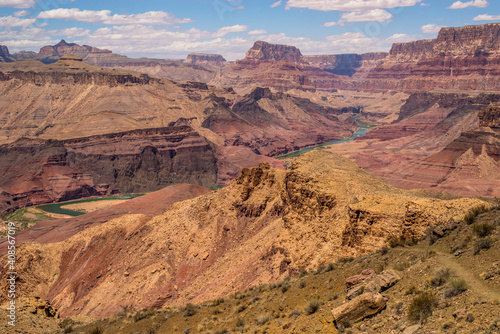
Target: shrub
(240,322)
(302,284)
(285,287)
(295,313)
(143,314)
(68,329)
(481,244)
(457,286)
(312,306)
(241,308)
(189,310)
(474,212)
(262,319)
(483,229)
(396,242)
(346,259)
(422,306)
(384,250)
(441,277)
(96,330)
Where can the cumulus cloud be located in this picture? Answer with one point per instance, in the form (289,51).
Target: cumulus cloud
(401,38)
(473,3)
(104,16)
(377,15)
(73,32)
(257,32)
(17,3)
(431,28)
(487,17)
(11,21)
(349,5)
(21,13)
(276,4)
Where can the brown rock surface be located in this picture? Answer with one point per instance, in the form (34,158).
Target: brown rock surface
(44,171)
(274,52)
(356,279)
(212,60)
(359,308)
(258,229)
(5,56)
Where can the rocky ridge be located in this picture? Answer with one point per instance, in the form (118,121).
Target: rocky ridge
(263,226)
(212,60)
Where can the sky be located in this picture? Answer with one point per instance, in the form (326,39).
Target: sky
(172,29)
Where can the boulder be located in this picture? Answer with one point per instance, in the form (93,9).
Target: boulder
(382,281)
(359,308)
(356,279)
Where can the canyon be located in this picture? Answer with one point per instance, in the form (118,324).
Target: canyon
(78,121)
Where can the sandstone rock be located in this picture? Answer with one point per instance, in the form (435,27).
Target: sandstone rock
(356,279)
(213,60)
(355,291)
(411,329)
(274,52)
(382,281)
(5,56)
(490,117)
(359,308)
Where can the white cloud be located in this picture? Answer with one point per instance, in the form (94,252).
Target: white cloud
(487,17)
(349,5)
(401,38)
(257,32)
(21,13)
(11,21)
(17,3)
(377,15)
(473,3)
(73,32)
(276,4)
(431,28)
(104,16)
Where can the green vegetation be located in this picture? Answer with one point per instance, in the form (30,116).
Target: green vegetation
(312,306)
(422,306)
(457,286)
(24,218)
(441,277)
(483,229)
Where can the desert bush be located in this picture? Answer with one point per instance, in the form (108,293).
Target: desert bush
(68,329)
(302,284)
(96,330)
(396,242)
(222,331)
(241,308)
(295,313)
(240,322)
(143,314)
(189,310)
(262,319)
(483,229)
(285,287)
(346,259)
(457,286)
(312,306)
(422,306)
(384,250)
(483,243)
(474,212)
(441,276)
(402,265)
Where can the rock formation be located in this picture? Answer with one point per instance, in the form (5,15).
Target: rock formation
(346,64)
(273,52)
(44,171)
(212,60)
(5,56)
(263,226)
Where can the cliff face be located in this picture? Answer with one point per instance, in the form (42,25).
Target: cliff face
(490,117)
(274,52)
(212,60)
(50,54)
(346,64)
(5,56)
(43,171)
(262,227)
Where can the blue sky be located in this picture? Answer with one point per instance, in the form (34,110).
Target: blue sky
(172,29)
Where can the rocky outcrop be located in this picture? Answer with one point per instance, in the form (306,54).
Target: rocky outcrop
(359,308)
(5,56)
(490,117)
(212,60)
(43,171)
(51,53)
(262,227)
(273,52)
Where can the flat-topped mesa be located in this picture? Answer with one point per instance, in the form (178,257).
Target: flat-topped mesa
(462,41)
(207,59)
(274,52)
(5,56)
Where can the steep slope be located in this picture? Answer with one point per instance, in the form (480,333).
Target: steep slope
(263,226)
(44,171)
(440,142)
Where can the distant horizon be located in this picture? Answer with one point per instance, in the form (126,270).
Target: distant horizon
(171,30)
